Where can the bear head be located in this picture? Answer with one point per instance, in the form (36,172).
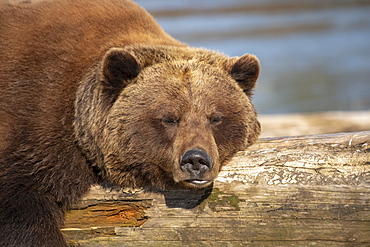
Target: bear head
(160,116)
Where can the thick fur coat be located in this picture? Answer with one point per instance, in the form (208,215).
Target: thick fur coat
(96,92)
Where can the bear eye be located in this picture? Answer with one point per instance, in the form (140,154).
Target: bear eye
(170,121)
(216,120)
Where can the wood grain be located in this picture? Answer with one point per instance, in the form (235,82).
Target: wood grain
(287,191)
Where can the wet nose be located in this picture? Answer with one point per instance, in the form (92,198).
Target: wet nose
(196,162)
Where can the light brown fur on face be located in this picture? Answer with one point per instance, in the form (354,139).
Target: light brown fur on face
(178,100)
(95,91)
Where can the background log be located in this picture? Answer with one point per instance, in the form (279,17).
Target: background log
(314,123)
(305,190)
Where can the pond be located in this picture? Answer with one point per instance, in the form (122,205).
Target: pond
(315,55)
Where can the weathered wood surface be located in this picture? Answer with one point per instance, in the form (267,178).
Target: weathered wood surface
(322,216)
(300,191)
(314,123)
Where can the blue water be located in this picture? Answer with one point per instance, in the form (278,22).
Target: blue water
(315,55)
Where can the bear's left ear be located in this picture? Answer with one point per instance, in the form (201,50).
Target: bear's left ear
(245,71)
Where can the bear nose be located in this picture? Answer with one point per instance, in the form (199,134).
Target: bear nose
(196,162)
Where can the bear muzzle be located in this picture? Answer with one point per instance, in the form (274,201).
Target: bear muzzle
(196,163)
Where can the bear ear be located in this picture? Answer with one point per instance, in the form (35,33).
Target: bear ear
(118,68)
(245,71)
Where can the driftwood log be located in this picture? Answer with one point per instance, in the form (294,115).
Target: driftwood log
(287,191)
(314,123)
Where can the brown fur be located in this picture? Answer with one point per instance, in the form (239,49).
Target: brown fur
(95,92)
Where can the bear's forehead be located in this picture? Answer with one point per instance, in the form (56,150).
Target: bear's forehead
(184,86)
(191,74)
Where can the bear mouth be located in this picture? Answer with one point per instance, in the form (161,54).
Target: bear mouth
(197,182)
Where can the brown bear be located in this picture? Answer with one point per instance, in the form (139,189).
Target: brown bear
(95,91)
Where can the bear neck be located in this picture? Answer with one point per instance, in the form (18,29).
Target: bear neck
(89,120)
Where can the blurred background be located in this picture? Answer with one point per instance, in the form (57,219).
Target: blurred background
(315,54)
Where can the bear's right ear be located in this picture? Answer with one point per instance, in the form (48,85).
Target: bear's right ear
(118,68)
(245,72)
